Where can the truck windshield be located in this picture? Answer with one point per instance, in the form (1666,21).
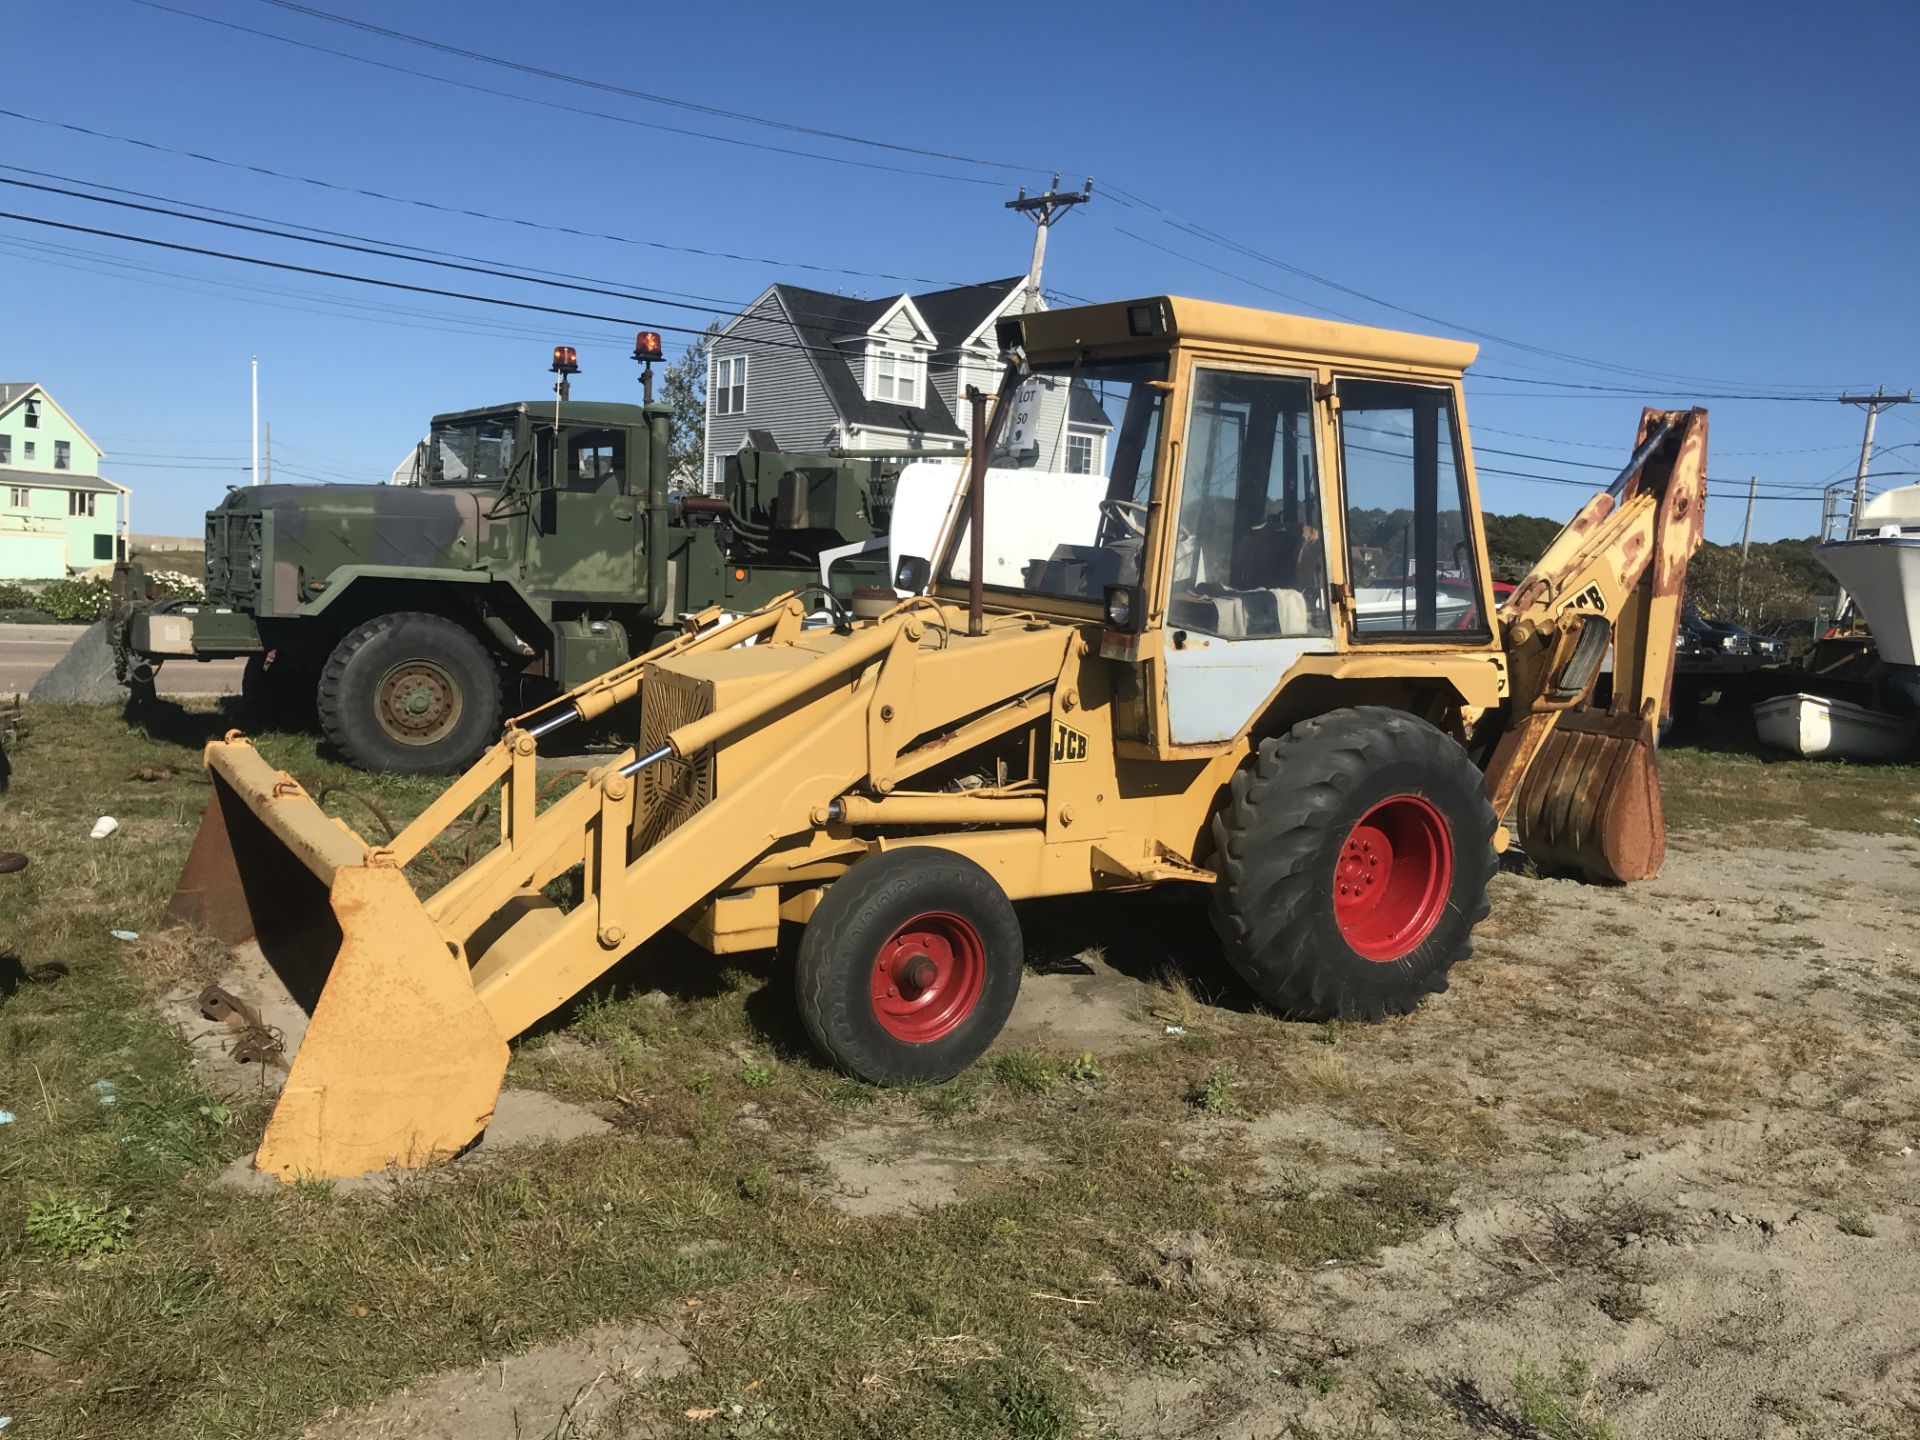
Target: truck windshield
(1070,457)
(472,453)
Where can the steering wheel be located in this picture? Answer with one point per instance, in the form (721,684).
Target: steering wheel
(1129,515)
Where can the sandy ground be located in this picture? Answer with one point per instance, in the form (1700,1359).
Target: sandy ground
(1731,1254)
(1679,1125)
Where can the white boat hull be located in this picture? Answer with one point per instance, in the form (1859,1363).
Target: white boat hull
(1882,573)
(1817,727)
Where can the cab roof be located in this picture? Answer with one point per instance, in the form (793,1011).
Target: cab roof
(576,412)
(1057,334)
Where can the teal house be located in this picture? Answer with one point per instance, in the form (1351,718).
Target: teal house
(60,515)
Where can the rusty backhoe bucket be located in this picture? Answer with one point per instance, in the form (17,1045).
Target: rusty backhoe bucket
(400,1064)
(1591,801)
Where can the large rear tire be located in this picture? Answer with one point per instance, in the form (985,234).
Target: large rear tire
(1354,855)
(410,694)
(909,967)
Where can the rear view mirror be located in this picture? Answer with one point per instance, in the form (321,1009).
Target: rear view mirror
(912,574)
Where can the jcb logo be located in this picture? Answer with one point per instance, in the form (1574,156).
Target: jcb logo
(1068,745)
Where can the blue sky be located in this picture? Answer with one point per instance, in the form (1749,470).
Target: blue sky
(1715,191)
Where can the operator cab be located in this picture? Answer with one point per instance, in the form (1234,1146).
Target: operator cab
(1267,450)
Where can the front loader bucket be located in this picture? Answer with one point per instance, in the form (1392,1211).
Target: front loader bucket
(400,1064)
(1591,802)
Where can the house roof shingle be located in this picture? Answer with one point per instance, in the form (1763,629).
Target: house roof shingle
(12,390)
(56,480)
(953,315)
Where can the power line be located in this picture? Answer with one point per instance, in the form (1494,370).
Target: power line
(1126,197)
(330,306)
(496,93)
(382,249)
(1226,242)
(437,208)
(338,234)
(698,332)
(402,285)
(653,99)
(1598,445)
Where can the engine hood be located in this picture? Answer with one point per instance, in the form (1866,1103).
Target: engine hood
(368,524)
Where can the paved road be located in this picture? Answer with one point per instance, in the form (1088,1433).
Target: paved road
(28,651)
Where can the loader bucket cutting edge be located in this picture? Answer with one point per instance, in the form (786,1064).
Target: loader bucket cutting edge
(400,1064)
(1591,802)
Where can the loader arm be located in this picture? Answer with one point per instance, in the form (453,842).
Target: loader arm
(413,996)
(1613,579)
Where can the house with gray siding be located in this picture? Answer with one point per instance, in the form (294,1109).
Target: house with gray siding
(810,370)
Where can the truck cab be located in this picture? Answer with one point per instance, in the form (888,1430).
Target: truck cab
(537,545)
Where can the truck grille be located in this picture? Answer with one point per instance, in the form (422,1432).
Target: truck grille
(671,791)
(233,539)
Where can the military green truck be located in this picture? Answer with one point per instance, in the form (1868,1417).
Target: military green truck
(541,546)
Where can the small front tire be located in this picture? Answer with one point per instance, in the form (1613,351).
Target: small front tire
(909,967)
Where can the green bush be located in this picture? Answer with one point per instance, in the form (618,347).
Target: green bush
(76,599)
(17,597)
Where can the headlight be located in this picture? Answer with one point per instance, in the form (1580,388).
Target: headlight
(1123,607)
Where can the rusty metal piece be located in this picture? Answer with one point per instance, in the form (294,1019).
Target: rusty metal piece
(1591,801)
(255,1042)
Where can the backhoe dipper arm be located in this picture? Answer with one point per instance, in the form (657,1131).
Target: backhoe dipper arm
(1615,576)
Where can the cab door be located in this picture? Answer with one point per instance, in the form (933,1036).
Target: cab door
(1412,554)
(1248,586)
(584,524)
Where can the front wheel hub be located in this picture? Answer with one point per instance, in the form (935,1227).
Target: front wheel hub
(418,702)
(928,977)
(1392,878)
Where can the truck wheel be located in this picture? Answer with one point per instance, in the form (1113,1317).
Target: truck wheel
(410,694)
(909,967)
(1354,855)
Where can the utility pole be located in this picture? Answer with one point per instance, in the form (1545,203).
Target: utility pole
(256,419)
(1043,210)
(1873,404)
(266,456)
(1746,535)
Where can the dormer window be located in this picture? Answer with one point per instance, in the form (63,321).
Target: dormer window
(895,375)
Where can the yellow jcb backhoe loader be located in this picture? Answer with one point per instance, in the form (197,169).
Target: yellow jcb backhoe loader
(1227,622)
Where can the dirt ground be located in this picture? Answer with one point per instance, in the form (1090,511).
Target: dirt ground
(1726,1247)
(1646,1169)
(1677,1129)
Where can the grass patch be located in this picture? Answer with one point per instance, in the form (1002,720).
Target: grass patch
(1705,790)
(127,1266)
(1560,1405)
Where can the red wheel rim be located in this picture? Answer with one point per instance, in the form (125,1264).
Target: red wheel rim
(928,977)
(1391,881)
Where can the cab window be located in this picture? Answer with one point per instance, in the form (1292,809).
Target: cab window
(1249,557)
(596,460)
(1070,471)
(1409,550)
